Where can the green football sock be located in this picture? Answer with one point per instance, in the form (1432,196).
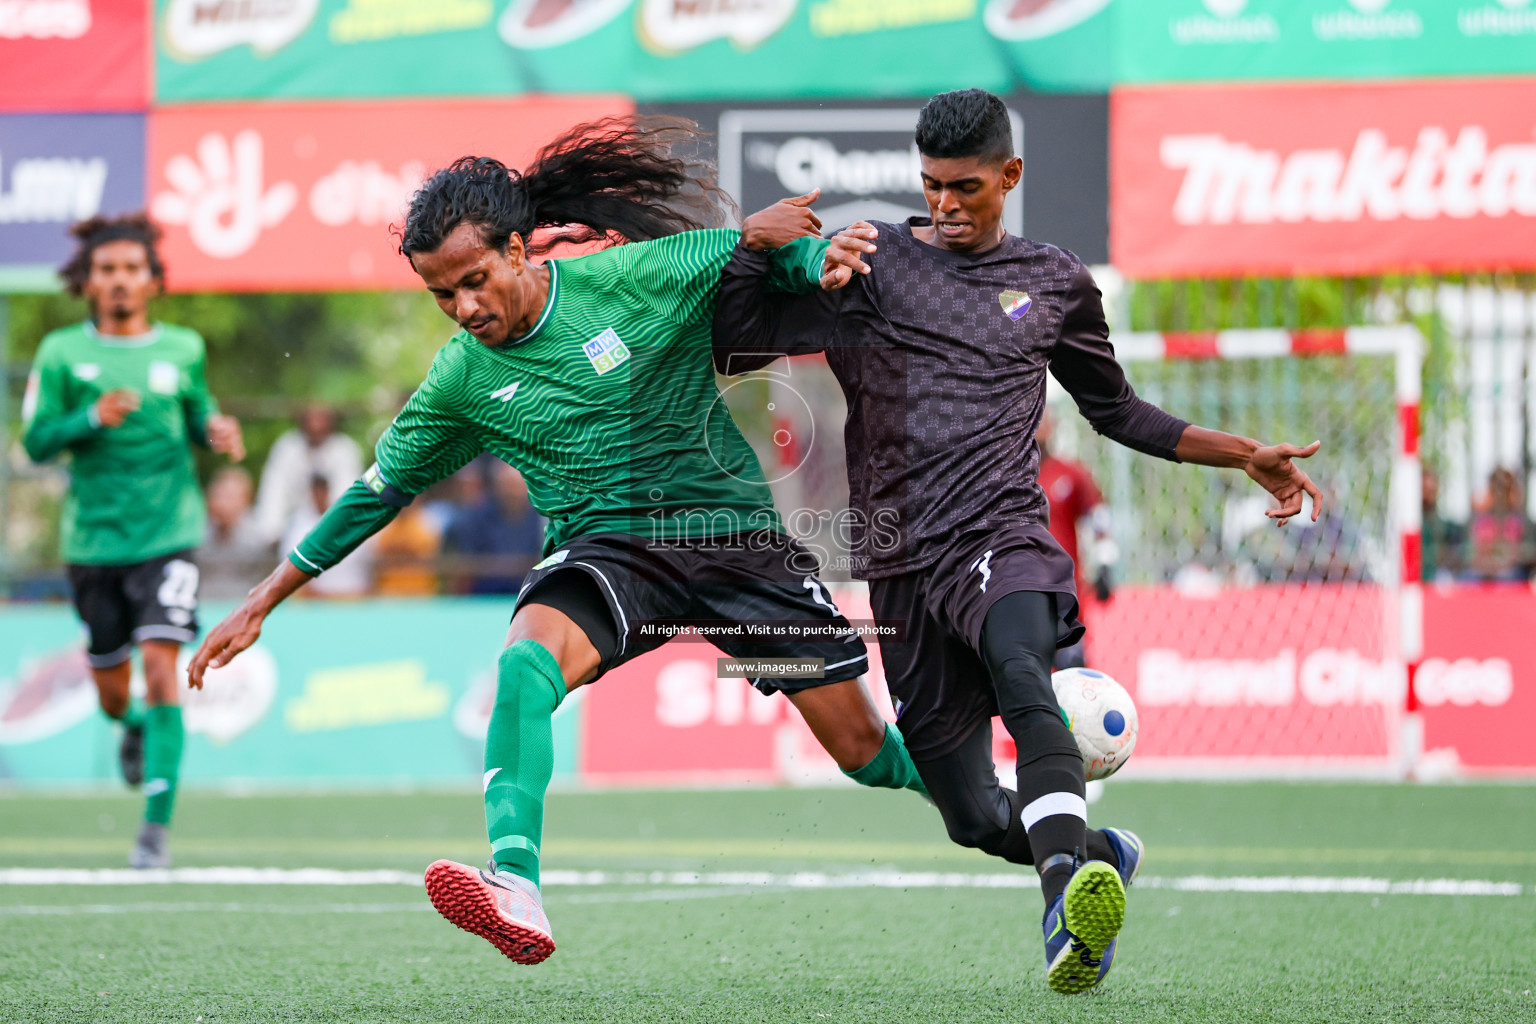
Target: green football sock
(133,716)
(163,738)
(520,755)
(892,767)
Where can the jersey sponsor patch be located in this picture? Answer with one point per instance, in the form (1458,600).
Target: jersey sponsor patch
(606,352)
(505,394)
(86,371)
(1015,304)
(164,378)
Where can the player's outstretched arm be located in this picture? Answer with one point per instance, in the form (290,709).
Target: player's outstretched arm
(1272,467)
(242,627)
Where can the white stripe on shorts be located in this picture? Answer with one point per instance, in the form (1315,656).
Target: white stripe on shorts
(1054,803)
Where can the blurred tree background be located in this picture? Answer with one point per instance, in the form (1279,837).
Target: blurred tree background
(268,356)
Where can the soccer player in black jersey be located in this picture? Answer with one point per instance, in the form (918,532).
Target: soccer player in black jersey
(941,331)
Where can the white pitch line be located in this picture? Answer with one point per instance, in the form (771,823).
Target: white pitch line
(65,910)
(748,881)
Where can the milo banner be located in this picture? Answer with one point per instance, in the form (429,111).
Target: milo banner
(1211,40)
(649,49)
(379,691)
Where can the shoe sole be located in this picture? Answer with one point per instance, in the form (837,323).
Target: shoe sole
(1094,909)
(459,895)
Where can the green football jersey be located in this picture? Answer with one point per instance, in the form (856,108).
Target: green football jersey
(133,492)
(607,406)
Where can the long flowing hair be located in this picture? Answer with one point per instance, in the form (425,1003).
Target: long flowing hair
(620,179)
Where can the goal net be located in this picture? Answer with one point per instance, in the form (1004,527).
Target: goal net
(1252,649)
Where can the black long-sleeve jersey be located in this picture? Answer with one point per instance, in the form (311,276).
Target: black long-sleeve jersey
(942,357)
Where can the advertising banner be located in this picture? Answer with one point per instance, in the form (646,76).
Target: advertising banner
(58,55)
(56,169)
(1313,688)
(300,197)
(1477,684)
(402,691)
(1212,40)
(383,690)
(670,718)
(650,49)
(862,157)
(1313,179)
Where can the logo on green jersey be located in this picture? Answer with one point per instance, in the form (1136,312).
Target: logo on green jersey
(606,351)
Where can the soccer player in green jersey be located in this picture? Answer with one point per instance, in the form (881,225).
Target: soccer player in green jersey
(126,398)
(593,377)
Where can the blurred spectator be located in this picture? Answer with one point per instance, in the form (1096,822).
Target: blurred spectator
(234,556)
(297,457)
(350,577)
(405,555)
(495,535)
(1442,540)
(1074,500)
(1501,539)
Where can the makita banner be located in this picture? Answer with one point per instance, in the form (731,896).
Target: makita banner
(56,169)
(60,55)
(863,158)
(300,197)
(1303,179)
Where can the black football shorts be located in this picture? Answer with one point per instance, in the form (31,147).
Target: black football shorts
(720,587)
(122,605)
(938,681)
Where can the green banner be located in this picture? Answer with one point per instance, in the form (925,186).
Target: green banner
(359,691)
(1213,40)
(648,49)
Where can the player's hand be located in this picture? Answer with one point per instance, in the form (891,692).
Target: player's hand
(240,629)
(114,406)
(845,256)
(782,223)
(1272,469)
(224,437)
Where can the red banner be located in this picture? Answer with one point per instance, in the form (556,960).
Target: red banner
(1477,684)
(67,55)
(1264,680)
(1323,179)
(301,196)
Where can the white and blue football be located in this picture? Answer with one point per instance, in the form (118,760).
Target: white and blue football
(1102,718)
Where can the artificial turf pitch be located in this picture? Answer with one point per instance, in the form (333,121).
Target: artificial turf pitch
(644,941)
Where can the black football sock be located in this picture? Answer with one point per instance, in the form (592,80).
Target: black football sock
(1018,641)
(977,812)
(1056,815)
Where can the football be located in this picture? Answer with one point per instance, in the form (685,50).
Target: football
(1102,718)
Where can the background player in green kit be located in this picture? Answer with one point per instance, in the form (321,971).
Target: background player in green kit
(126,398)
(593,376)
